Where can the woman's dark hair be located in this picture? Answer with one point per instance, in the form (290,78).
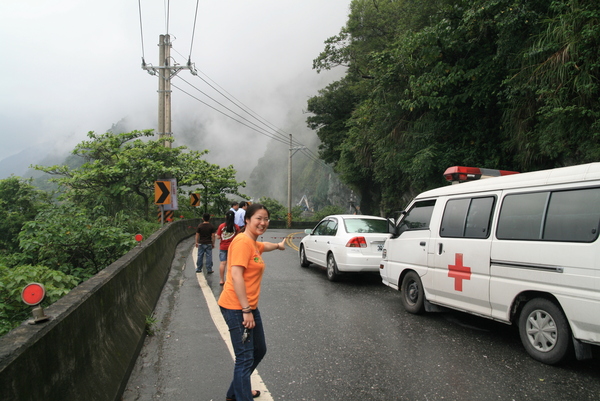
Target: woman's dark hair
(253,208)
(229,221)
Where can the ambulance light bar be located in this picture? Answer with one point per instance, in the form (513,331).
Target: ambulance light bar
(458,174)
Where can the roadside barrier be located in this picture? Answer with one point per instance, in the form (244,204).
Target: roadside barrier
(87,348)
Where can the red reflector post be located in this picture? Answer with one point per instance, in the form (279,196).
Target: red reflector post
(357,242)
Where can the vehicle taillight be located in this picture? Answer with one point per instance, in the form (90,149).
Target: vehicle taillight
(357,242)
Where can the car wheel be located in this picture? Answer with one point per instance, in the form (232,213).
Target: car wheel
(413,295)
(332,271)
(303,261)
(545,331)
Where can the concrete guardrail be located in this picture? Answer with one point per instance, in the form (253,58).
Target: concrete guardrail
(88,347)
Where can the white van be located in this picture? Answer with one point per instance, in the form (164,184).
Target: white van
(519,249)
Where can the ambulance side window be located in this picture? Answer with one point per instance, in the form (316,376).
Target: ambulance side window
(573,216)
(479,218)
(453,221)
(521,216)
(467,218)
(568,216)
(418,217)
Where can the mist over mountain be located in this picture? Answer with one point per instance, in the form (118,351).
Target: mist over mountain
(258,159)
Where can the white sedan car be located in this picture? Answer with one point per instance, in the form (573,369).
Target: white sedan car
(345,243)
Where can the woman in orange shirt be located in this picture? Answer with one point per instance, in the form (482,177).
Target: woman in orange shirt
(239,300)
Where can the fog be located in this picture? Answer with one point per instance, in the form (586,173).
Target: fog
(73,66)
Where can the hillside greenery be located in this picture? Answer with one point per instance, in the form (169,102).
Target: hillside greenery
(429,84)
(103,196)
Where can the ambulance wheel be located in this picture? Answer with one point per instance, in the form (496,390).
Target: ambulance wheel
(545,331)
(333,273)
(303,261)
(413,296)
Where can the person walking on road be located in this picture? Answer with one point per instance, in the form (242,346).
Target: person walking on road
(240,215)
(205,242)
(239,300)
(226,232)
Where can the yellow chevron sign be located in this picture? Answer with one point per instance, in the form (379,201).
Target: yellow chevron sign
(162,192)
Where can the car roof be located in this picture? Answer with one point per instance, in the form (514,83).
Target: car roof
(354,216)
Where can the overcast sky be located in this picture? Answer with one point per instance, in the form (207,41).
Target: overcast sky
(73,66)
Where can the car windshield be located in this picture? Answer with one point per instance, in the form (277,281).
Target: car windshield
(366,226)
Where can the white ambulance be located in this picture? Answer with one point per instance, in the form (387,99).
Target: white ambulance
(520,249)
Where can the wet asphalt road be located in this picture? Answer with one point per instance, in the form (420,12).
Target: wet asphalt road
(351,340)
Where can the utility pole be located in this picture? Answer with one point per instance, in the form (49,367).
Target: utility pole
(293,150)
(165,72)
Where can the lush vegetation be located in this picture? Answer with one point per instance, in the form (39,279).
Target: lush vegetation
(104,199)
(508,84)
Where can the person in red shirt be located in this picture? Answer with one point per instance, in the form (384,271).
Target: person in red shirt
(225,233)
(239,300)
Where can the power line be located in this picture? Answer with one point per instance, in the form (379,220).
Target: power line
(194,30)
(141,29)
(226,115)
(251,112)
(280,138)
(222,105)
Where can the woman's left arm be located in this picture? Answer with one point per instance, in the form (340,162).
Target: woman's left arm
(271,246)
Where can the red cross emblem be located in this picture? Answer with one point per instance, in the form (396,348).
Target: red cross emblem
(459,272)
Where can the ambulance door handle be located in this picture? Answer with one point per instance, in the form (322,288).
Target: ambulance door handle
(440,248)
(423,243)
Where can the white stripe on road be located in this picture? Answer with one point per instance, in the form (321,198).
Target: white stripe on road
(217,317)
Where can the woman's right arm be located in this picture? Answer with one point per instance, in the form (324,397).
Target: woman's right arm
(239,286)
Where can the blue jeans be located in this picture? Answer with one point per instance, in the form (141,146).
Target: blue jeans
(204,249)
(247,355)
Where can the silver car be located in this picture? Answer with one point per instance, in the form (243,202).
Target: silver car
(345,243)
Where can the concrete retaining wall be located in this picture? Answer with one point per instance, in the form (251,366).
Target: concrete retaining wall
(87,349)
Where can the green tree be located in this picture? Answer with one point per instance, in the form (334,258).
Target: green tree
(276,209)
(489,83)
(120,170)
(213,182)
(553,110)
(75,241)
(19,203)
(349,141)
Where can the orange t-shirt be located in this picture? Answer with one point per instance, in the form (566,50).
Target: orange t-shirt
(245,252)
